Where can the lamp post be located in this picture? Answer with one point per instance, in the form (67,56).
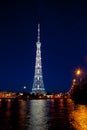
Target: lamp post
(78,73)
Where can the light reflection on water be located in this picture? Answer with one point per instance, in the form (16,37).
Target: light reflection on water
(78,118)
(59,114)
(37,115)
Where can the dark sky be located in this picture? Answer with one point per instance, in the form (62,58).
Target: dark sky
(63,38)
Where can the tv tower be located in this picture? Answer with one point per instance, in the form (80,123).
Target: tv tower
(38,85)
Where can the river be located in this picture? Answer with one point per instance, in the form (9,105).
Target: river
(50,114)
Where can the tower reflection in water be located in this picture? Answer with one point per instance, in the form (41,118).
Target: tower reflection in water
(38,118)
(37,115)
(78,118)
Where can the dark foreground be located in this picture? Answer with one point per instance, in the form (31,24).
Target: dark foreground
(50,114)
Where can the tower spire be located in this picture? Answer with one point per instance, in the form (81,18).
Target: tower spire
(38,85)
(38,38)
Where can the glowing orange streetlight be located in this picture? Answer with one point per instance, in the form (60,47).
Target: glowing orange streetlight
(78,73)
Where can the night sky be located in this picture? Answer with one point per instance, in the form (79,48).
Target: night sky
(63,38)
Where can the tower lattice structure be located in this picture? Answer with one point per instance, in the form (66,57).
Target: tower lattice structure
(38,85)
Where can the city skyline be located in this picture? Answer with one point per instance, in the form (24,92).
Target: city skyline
(63,37)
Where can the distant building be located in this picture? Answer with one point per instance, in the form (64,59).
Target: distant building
(7,95)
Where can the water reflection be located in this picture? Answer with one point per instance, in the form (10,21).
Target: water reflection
(78,118)
(5,115)
(59,114)
(0,102)
(38,118)
(21,115)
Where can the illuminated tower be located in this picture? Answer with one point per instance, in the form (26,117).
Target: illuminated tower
(38,85)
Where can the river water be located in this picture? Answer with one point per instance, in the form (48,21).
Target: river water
(50,114)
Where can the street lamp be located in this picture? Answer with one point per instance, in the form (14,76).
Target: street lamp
(74,82)
(78,73)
